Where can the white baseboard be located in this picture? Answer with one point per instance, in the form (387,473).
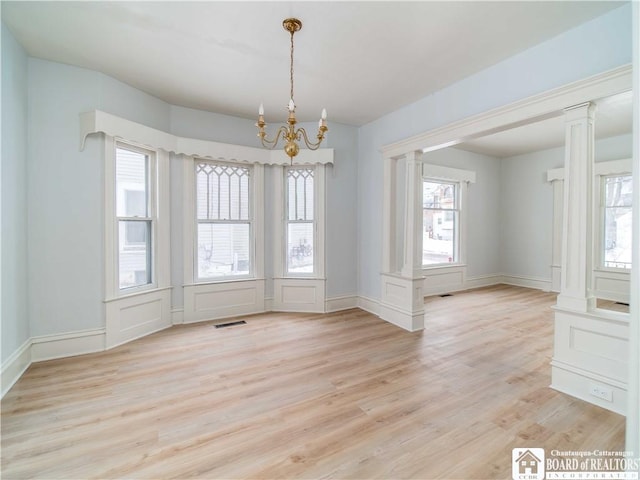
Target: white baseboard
(344,302)
(177,316)
(528,282)
(268,304)
(15,366)
(48,347)
(577,383)
(482,281)
(369,305)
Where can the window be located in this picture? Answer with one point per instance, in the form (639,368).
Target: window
(441,208)
(299,222)
(135,211)
(616,221)
(224,220)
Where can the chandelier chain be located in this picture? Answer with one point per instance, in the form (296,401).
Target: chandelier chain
(291,67)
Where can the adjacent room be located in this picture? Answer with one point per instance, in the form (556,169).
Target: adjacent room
(319,239)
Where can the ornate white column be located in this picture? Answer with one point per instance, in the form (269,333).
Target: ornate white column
(577,229)
(402,298)
(412,252)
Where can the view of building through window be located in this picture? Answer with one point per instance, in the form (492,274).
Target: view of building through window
(617,221)
(134,218)
(300,220)
(440,222)
(223,220)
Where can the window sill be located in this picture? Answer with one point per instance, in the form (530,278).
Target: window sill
(137,293)
(222,281)
(446,266)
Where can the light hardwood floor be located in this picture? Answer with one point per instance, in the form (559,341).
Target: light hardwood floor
(342,395)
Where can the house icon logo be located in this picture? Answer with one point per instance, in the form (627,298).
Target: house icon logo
(527,463)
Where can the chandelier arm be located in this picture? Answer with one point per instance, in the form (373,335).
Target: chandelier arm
(271,144)
(310,145)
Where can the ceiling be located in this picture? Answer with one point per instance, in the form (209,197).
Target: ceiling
(613,116)
(360,60)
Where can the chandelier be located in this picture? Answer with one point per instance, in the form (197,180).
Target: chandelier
(290,134)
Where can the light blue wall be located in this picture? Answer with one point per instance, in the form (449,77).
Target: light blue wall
(527,206)
(15,325)
(483,207)
(66,246)
(596,46)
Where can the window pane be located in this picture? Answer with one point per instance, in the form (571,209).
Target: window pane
(132,173)
(134,252)
(300,194)
(223,249)
(300,247)
(617,221)
(439,238)
(617,237)
(222,192)
(438,195)
(618,191)
(440,223)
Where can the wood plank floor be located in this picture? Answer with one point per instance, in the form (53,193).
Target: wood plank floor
(342,395)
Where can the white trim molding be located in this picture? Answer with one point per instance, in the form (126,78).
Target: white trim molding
(537,107)
(97,121)
(49,347)
(14,367)
(591,349)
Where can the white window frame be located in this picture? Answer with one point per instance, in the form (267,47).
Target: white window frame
(461,178)
(286,221)
(456,221)
(158,215)
(280,211)
(602,173)
(250,221)
(256,213)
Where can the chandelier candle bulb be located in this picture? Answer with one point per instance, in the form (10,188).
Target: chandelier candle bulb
(292,105)
(261,110)
(324,114)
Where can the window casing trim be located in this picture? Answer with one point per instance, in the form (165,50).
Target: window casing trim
(461,178)
(158,180)
(250,221)
(256,209)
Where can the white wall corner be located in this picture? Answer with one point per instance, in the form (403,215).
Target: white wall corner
(369,305)
(15,366)
(177,316)
(536,283)
(344,302)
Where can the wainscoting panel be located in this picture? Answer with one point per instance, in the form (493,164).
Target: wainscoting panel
(611,285)
(299,295)
(590,352)
(443,280)
(212,301)
(138,315)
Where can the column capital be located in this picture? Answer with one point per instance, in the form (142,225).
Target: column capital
(579,111)
(413,156)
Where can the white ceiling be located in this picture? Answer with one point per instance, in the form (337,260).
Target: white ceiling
(360,60)
(614,116)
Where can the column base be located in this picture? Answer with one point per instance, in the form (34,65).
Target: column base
(402,301)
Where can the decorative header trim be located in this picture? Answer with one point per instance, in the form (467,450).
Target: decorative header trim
(448,173)
(610,167)
(102,122)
